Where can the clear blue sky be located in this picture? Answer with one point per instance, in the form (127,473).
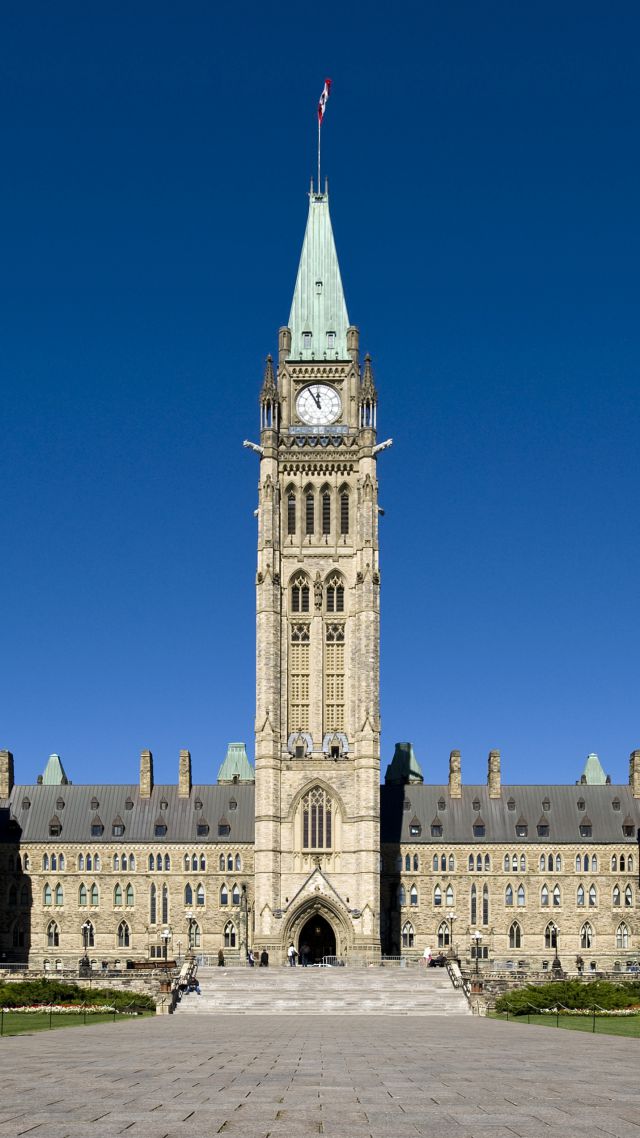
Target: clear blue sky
(484,170)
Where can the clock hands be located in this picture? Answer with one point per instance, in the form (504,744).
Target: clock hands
(316,398)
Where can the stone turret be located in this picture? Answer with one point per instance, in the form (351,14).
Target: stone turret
(184,774)
(634,773)
(236,766)
(455,775)
(146,774)
(493,778)
(6,773)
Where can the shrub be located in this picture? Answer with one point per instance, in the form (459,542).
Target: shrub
(61,992)
(570,994)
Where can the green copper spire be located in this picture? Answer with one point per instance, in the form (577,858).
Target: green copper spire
(236,766)
(404,767)
(54,772)
(318,319)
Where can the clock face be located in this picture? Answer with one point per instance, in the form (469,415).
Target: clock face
(318,404)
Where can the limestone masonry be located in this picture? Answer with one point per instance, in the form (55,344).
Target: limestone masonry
(309,849)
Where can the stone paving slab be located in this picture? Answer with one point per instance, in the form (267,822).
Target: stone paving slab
(293,1076)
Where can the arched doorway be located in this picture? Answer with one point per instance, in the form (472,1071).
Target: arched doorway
(317,939)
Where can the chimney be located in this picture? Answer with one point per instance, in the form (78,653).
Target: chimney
(184,774)
(146,774)
(634,773)
(284,344)
(455,776)
(6,774)
(493,778)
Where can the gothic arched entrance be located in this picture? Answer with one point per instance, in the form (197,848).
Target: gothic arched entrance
(316,939)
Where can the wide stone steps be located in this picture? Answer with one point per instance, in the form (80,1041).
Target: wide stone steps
(324,991)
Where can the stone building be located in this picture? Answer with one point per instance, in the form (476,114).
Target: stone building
(310,848)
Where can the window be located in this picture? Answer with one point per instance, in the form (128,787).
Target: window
(628,897)
(94,896)
(449,895)
(203,862)
(53,935)
(317,817)
(326,510)
(331,340)
(506,863)
(441,805)
(291,512)
(153,905)
(415,829)
(402,896)
(543,829)
(558,864)
(580,897)
(299,677)
(550,936)
(407,862)
(515,935)
(476,804)
(511,804)
(556,895)
(88,934)
(594,863)
(437,895)
(46,894)
(407,935)
(129,896)
(229,935)
(614,863)
(160,830)
(309,507)
(436,830)
(622,936)
(300,594)
(471,864)
(128,804)
(546,805)
(224,829)
(474,905)
(117,828)
(202,828)
(194,935)
(522,830)
(96,827)
(221,862)
(416,863)
(55,827)
(586,936)
(622,863)
(508,896)
(167,862)
(117,895)
(224,895)
(335,594)
(544,896)
(200,895)
(487,863)
(485,905)
(521,896)
(627,828)
(188,895)
(45,863)
(54,861)
(124,935)
(586,829)
(165,904)
(593,897)
(616,895)
(344,511)
(413,895)
(306,341)
(478,830)
(443,934)
(452,863)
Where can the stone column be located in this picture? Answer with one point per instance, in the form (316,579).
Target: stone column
(6,774)
(146,774)
(493,780)
(184,774)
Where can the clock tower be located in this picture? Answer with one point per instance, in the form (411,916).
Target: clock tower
(317,837)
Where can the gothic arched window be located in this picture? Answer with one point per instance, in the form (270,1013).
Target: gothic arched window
(165,905)
(53,935)
(129,895)
(550,936)
(474,905)
(628,897)
(344,510)
(335,593)
(614,864)
(407,935)
(449,895)
(117,895)
(194,934)
(437,896)
(221,862)
(82,895)
(200,895)
(291,511)
(229,935)
(580,897)
(300,593)
(235,895)
(188,894)
(237,862)
(515,935)
(124,935)
(317,819)
(309,510)
(299,676)
(153,905)
(508,896)
(224,895)
(59,895)
(443,934)
(544,896)
(413,895)
(334,676)
(506,863)
(326,509)
(416,863)
(521,896)
(586,936)
(485,905)
(556,896)
(46,894)
(593,897)
(622,936)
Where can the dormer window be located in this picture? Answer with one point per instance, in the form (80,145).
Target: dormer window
(415,828)
(476,804)
(160,828)
(522,828)
(306,340)
(97,829)
(479,829)
(546,805)
(197,804)
(318,289)
(117,827)
(441,804)
(233,805)
(511,804)
(60,804)
(55,827)
(586,829)
(331,340)
(580,804)
(628,827)
(164,805)
(94,804)
(202,828)
(615,805)
(26,804)
(128,804)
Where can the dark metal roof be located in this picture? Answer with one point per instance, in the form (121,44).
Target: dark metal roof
(181,815)
(458,818)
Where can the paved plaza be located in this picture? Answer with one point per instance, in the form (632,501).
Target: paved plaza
(290,1076)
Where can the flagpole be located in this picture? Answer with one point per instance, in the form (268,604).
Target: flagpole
(319,125)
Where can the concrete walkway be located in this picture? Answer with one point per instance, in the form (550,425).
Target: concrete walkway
(345,1077)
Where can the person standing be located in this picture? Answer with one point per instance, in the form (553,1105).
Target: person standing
(291,953)
(264,958)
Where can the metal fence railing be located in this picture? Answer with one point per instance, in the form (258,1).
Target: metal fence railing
(46,1017)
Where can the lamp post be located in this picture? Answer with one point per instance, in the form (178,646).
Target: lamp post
(476,938)
(85,966)
(245,912)
(179,952)
(555,933)
(451,917)
(166,937)
(189,916)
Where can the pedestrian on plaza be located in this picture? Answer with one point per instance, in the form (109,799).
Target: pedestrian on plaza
(220,958)
(250,958)
(291,953)
(305,953)
(264,958)
(426,957)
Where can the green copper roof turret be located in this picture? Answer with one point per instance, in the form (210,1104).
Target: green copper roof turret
(236,766)
(54,772)
(318,319)
(593,773)
(404,767)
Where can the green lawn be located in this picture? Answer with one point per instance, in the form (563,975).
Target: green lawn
(605,1025)
(14,1023)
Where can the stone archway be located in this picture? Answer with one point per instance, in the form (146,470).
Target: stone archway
(334,932)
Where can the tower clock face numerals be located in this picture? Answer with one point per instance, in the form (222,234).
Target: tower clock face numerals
(318,404)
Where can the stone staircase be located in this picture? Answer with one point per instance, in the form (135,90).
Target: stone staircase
(324,991)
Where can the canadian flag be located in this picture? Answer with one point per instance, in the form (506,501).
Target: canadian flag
(322,105)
